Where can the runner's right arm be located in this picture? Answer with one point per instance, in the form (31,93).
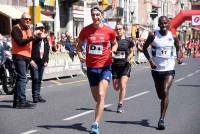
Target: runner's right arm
(78,45)
(149,40)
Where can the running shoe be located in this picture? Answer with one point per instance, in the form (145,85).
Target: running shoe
(94,128)
(120,108)
(161,125)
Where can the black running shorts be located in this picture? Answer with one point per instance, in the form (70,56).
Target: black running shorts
(162,74)
(122,70)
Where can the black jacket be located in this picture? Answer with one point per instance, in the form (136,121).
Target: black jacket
(36,50)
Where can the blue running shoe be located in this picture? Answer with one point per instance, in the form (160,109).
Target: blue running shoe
(94,129)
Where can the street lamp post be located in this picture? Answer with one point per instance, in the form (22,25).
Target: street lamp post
(33,14)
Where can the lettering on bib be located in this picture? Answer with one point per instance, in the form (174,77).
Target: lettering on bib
(96,49)
(165,52)
(119,55)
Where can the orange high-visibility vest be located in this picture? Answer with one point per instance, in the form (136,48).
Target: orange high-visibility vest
(24,50)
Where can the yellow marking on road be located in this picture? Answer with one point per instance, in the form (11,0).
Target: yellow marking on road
(74,82)
(56,82)
(53,81)
(60,83)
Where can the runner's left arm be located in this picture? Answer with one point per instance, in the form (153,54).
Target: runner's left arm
(178,50)
(131,50)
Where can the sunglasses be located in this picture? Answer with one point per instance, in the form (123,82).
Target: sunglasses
(27,19)
(118,29)
(40,28)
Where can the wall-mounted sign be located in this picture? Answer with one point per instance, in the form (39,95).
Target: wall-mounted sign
(196,20)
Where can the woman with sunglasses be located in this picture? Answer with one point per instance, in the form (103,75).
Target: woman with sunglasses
(121,67)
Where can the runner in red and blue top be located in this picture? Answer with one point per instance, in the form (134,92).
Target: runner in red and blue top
(100,42)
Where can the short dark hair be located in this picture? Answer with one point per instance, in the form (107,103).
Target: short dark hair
(96,8)
(162,17)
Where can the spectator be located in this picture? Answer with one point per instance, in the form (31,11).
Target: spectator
(52,43)
(189,47)
(22,37)
(39,60)
(69,46)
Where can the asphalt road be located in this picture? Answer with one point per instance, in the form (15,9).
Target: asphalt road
(70,108)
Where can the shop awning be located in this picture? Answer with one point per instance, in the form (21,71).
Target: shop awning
(10,11)
(46,18)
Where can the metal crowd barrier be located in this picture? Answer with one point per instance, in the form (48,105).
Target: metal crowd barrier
(60,65)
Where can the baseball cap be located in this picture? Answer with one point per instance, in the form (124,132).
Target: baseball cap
(39,25)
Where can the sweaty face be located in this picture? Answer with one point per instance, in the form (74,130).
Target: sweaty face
(163,24)
(96,16)
(119,30)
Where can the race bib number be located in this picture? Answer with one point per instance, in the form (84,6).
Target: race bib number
(164,52)
(119,55)
(96,49)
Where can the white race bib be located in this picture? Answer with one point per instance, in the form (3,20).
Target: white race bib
(96,49)
(165,52)
(119,55)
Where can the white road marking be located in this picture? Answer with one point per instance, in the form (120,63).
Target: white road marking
(197,71)
(30,132)
(179,80)
(78,115)
(108,105)
(189,75)
(131,97)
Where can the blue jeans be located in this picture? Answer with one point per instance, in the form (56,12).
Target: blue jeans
(36,76)
(21,66)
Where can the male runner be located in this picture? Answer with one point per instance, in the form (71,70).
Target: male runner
(100,42)
(164,48)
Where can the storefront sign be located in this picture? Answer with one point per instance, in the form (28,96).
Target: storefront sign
(196,20)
